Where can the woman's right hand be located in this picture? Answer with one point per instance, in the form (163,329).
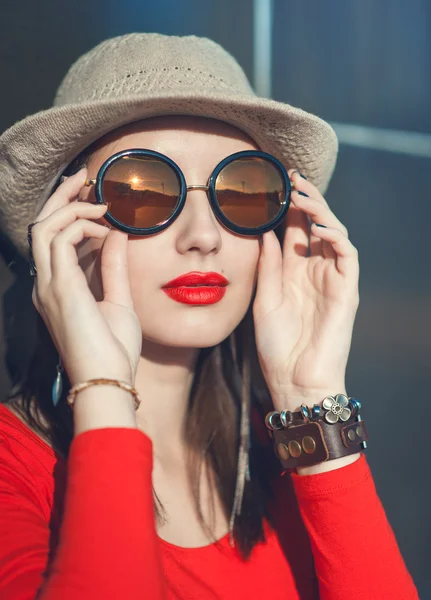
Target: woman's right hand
(94,339)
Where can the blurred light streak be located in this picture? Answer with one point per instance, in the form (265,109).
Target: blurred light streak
(262,47)
(389,140)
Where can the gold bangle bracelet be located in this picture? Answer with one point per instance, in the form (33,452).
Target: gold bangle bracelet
(78,387)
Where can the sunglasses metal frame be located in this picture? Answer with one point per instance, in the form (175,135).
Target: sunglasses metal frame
(184,188)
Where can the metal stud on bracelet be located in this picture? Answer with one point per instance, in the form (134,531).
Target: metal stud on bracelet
(273,421)
(286,418)
(337,407)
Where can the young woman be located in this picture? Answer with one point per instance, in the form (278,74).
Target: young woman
(192,277)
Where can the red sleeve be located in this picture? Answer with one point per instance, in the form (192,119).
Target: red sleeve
(107,540)
(355,551)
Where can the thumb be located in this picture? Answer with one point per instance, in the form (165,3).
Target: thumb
(114,269)
(269,279)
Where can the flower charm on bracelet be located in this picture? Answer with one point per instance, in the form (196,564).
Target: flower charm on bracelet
(337,408)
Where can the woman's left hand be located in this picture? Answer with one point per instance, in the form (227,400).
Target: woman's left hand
(306,302)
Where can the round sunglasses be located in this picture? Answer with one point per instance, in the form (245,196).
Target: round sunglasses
(249,191)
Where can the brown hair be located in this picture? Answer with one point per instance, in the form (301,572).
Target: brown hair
(212,423)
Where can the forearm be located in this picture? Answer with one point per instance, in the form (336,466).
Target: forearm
(351,539)
(108,545)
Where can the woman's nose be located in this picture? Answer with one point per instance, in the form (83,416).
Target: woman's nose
(198,228)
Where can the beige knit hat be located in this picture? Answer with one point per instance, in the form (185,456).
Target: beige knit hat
(142,75)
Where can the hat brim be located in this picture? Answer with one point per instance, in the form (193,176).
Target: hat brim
(35,151)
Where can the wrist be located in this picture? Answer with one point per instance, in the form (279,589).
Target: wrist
(329,465)
(312,438)
(103,406)
(291,397)
(89,374)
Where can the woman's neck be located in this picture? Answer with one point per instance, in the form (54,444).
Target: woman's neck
(163,380)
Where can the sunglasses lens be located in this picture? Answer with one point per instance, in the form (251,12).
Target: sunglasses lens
(250,191)
(141,192)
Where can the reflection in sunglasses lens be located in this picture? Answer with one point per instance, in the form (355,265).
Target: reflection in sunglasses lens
(141,192)
(250,191)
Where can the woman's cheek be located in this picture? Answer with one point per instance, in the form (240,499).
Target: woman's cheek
(245,276)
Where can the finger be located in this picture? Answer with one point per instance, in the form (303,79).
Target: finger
(300,183)
(43,232)
(270,270)
(318,212)
(319,247)
(115,270)
(64,194)
(63,253)
(346,254)
(296,236)
(302,186)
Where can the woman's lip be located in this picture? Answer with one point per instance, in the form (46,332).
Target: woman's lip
(197,278)
(200,294)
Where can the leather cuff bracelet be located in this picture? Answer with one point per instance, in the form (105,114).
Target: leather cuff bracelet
(310,436)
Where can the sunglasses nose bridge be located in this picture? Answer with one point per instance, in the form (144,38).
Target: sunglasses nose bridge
(198,187)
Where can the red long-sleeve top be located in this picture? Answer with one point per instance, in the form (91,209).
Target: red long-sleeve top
(84,529)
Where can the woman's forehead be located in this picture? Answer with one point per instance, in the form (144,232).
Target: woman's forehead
(171,126)
(176,136)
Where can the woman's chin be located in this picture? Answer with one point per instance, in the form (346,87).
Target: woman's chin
(188,339)
(190,329)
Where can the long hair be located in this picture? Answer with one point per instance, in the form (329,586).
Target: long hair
(212,421)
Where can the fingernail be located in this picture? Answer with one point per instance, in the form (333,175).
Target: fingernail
(319,225)
(300,174)
(303,194)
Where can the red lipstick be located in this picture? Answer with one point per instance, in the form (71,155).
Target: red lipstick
(197,288)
